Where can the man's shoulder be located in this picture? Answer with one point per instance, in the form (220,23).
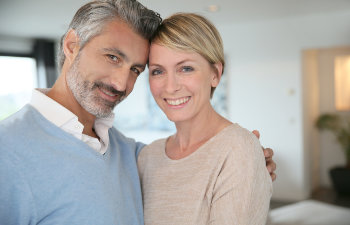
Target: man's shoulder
(117,135)
(22,127)
(118,138)
(17,120)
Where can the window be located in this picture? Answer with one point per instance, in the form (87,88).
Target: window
(17,80)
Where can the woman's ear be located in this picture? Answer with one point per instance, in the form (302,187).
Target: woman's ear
(71,45)
(217,72)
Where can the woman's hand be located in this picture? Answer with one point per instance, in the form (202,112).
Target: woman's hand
(268,153)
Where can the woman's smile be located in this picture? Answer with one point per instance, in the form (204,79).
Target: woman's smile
(178,101)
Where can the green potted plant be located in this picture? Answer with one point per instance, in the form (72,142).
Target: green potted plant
(340,127)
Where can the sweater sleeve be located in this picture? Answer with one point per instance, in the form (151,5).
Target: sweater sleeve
(243,188)
(16,200)
(139,147)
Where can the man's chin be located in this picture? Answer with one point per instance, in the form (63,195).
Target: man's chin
(102,114)
(99,112)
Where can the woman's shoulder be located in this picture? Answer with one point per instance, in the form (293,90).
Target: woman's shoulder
(235,133)
(239,141)
(156,143)
(242,153)
(153,148)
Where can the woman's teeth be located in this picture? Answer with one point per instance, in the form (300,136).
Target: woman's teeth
(177,101)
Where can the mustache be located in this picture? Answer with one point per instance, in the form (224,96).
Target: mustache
(109,88)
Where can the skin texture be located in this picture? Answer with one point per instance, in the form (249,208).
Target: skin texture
(109,64)
(180,76)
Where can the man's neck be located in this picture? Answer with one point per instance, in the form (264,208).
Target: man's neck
(61,93)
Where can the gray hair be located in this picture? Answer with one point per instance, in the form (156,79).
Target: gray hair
(90,19)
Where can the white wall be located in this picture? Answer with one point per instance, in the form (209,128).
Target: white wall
(266,86)
(15,45)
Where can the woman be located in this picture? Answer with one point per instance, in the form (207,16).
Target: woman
(211,171)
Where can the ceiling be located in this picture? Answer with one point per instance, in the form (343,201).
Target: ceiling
(50,18)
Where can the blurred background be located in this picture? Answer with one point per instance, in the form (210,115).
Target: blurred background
(288,62)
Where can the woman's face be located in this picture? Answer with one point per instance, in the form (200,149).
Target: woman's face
(180,82)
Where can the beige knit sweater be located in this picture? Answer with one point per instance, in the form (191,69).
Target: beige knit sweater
(225,181)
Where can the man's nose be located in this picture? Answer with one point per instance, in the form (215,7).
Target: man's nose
(120,78)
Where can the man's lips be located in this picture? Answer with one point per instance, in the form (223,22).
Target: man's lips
(108,95)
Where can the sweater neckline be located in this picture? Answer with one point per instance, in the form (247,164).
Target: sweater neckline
(52,127)
(196,152)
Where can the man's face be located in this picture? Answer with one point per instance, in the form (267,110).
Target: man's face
(105,70)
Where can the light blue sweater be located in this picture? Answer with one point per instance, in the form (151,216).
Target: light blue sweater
(47,176)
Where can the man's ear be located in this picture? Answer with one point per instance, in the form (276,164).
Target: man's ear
(71,45)
(217,72)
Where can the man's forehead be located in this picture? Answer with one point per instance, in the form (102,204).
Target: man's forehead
(118,37)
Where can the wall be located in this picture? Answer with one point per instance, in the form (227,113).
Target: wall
(15,45)
(266,87)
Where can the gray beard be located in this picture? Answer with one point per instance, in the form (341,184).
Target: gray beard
(83,92)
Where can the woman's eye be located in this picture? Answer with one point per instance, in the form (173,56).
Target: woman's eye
(156,72)
(187,69)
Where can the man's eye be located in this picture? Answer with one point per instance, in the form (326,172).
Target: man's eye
(135,70)
(156,72)
(113,58)
(186,69)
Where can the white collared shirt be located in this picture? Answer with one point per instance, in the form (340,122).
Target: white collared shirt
(67,121)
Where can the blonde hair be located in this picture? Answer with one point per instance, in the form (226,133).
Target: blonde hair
(194,33)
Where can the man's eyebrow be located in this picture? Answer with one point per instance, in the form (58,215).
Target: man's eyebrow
(141,66)
(117,52)
(122,55)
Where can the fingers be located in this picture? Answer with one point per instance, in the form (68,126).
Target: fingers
(268,152)
(256,133)
(271,167)
(273,176)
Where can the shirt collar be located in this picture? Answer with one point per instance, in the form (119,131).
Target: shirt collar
(50,109)
(59,115)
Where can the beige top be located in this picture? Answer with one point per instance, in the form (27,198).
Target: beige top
(224,182)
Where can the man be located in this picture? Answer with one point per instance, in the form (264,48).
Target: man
(61,161)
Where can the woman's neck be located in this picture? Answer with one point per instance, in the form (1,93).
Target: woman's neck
(194,133)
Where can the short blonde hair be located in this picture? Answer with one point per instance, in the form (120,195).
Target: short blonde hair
(194,33)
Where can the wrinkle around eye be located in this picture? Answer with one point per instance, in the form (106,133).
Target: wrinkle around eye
(187,69)
(113,58)
(136,71)
(156,72)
